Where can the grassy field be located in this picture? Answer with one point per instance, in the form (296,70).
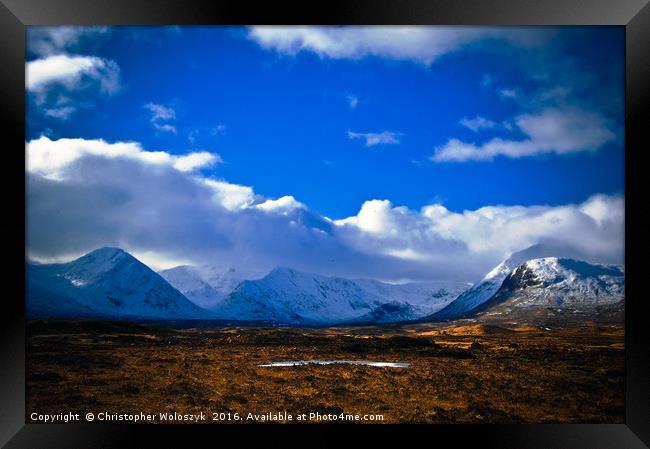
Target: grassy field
(459,373)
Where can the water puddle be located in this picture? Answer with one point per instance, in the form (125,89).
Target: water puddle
(337,362)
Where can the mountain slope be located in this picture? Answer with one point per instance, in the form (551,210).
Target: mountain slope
(189,281)
(206,286)
(566,286)
(107,282)
(293,297)
(487,287)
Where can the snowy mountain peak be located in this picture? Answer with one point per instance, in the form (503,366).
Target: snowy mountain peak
(207,285)
(290,296)
(284,271)
(106,254)
(573,276)
(550,268)
(533,252)
(485,289)
(108,251)
(557,284)
(105,282)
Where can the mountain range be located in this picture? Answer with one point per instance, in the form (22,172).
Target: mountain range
(110,283)
(291,296)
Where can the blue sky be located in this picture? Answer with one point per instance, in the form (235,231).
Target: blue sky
(280,122)
(336,117)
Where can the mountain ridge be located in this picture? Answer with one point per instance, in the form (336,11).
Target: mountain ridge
(291,296)
(111,283)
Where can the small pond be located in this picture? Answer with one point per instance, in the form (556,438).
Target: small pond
(337,362)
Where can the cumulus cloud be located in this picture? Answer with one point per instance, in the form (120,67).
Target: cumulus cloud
(69,72)
(552,130)
(372,139)
(84,194)
(421,44)
(282,205)
(54,80)
(53,159)
(435,231)
(127,197)
(230,196)
(196,160)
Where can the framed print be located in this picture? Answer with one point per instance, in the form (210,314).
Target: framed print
(389,217)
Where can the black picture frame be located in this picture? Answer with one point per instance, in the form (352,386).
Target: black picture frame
(15,15)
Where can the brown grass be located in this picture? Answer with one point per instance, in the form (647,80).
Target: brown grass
(457,374)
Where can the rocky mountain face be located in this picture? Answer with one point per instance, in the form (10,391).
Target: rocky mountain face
(486,288)
(556,286)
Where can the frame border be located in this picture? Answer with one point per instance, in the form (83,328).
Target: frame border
(15,15)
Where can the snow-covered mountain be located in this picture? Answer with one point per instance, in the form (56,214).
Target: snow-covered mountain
(107,282)
(293,297)
(562,285)
(110,283)
(487,287)
(207,286)
(189,281)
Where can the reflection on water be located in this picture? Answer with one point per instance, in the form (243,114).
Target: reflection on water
(339,362)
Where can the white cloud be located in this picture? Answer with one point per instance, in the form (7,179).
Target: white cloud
(62,113)
(566,130)
(53,80)
(422,44)
(160,117)
(375,217)
(551,130)
(45,41)
(599,207)
(194,161)
(492,231)
(231,196)
(53,159)
(478,123)
(160,112)
(84,194)
(69,71)
(372,139)
(282,205)
(165,127)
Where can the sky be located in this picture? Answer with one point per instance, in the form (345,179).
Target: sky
(395,153)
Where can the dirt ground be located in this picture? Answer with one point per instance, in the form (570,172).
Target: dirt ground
(459,373)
